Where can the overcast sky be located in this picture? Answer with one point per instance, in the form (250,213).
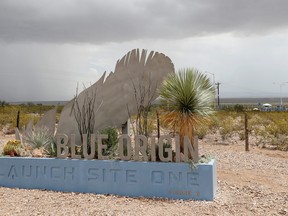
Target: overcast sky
(47,46)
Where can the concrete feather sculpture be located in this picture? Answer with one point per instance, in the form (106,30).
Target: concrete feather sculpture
(111,100)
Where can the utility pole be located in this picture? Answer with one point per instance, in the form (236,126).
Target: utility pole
(218,95)
(280,85)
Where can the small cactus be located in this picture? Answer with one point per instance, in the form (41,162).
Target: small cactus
(12,148)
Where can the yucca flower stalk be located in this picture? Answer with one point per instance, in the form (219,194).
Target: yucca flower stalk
(186,102)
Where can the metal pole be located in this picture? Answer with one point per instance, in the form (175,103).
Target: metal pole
(281,101)
(18,119)
(218,94)
(280,85)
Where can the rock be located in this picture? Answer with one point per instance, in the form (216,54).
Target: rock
(271,147)
(37,153)
(222,143)
(8,131)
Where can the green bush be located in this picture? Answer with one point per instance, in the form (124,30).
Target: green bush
(52,149)
(112,137)
(201,132)
(111,142)
(227,127)
(239,108)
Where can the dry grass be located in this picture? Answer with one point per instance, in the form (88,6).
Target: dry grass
(266,128)
(8,114)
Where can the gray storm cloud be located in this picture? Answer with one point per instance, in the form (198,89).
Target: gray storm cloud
(48,46)
(89,21)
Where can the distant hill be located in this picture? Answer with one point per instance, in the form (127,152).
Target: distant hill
(254,101)
(39,102)
(251,101)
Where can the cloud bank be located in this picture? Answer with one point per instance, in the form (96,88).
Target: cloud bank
(88,21)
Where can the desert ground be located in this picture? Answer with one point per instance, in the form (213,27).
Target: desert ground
(248,183)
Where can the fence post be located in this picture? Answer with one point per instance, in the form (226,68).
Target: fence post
(246,133)
(18,119)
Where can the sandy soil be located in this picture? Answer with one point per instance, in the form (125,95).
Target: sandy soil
(249,183)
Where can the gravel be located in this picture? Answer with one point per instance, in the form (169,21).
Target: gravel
(249,183)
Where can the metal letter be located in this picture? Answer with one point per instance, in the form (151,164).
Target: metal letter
(62,145)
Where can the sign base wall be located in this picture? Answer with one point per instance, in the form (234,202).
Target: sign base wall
(125,178)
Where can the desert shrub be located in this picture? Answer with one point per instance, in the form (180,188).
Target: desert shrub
(273,129)
(226,128)
(238,123)
(238,108)
(201,132)
(281,126)
(281,142)
(112,137)
(256,119)
(261,135)
(24,119)
(270,128)
(8,114)
(241,135)
(5,119)
(213,123)
(52,148)
(230,123)
(111,142)
(11,148)
(226,108)
(40,138)
(3,103)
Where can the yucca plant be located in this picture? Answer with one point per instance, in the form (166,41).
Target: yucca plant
(40,138)
(186,99)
